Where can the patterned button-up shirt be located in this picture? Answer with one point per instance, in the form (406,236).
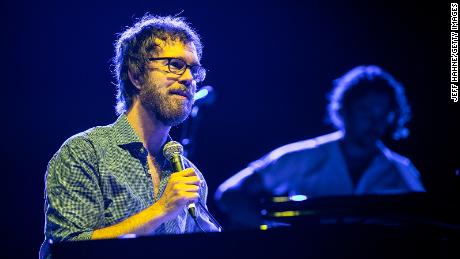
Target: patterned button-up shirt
(101,177)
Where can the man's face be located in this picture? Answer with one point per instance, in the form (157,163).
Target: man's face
(168,96)
(368,118)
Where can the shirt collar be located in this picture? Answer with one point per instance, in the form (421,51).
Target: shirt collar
(126,137)
(124,134)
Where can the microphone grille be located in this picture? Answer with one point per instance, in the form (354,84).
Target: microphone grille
(172,148)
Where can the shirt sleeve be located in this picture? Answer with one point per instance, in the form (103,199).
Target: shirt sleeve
(73,199)
(279,173)
(412,177)
(265,175)
(201,207)
(203,214)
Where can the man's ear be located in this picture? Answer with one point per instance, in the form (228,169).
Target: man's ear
(135,79)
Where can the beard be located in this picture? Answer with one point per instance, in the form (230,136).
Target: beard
(164,105)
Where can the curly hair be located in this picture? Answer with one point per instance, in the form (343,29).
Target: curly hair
(361,80)
(135,43)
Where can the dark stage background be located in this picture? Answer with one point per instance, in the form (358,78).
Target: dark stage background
(271,66)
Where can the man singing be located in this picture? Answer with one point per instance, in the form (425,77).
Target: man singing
(111,181)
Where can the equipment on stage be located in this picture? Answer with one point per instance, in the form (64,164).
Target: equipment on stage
(391,226)
(402,210)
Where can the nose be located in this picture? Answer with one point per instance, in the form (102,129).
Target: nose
(186,78)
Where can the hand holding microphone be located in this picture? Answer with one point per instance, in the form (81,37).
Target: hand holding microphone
(183,186)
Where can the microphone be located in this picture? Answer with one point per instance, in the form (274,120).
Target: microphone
(173,151)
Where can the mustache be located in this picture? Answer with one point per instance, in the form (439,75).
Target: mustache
(182,90)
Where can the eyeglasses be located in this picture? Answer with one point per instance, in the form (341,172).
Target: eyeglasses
(178,66)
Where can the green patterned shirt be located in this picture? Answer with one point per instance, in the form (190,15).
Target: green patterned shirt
(100,177)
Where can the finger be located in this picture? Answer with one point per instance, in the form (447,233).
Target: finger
(195,180)
(184,173)
(192,188)
(188,172)
(187,188)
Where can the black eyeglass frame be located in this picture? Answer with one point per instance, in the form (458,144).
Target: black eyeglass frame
(200,72)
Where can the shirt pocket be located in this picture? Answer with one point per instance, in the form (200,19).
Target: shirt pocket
(120,200)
